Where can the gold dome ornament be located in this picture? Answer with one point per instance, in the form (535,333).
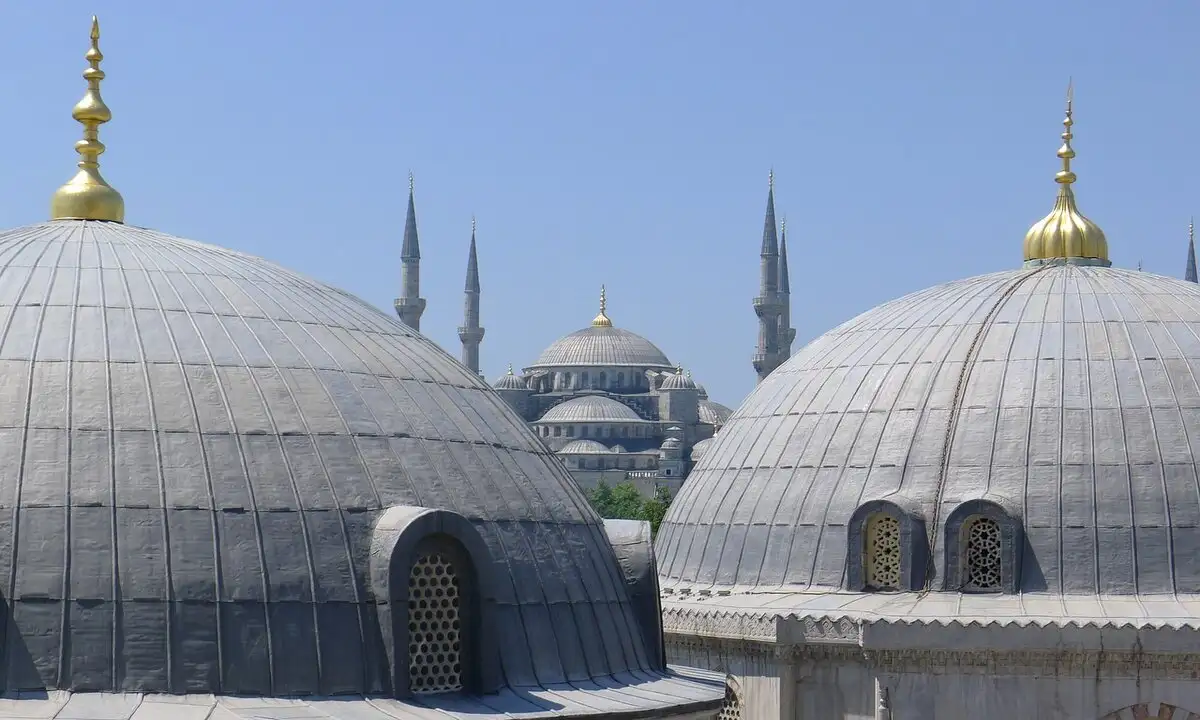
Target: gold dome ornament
(1065,234)
(87,196)
(602,320)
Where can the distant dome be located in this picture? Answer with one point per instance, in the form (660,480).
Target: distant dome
(618,449)
(509,381)
(1065,394)
(220,436)
(581,447)
(672,443)
(678,381)
(713,413)
(603,346)
(700,448)
(591,408)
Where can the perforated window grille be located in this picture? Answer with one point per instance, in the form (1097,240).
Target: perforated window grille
(983,554)
(434,626)
(883,552)
(732,708)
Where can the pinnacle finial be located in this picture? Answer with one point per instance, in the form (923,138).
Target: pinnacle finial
(510,372)
(1066,234)
(87,196)
(472,225)
(602,320)
(1191,230)
(771,179)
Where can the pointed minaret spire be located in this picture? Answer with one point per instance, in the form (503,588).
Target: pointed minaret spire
(786,332)
(1190,273)
(410,305)
(767,305)
(471,334)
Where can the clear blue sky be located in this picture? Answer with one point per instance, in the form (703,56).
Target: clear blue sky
(621,142)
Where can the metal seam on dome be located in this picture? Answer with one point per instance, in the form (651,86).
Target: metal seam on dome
(956,408)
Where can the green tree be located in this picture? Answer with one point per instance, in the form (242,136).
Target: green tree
(601,498)
(654,509)
(626,502)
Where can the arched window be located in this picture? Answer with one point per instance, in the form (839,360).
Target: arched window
(603,379)
(620,380)
(558,431)
(570,431)
(435,618)
(566,381)
(583,378)
(731,709)
(982,569)
(625,431)
(881,560)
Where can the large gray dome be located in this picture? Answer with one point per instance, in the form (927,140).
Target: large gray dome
(194,447)
(1066,394)
(605,347)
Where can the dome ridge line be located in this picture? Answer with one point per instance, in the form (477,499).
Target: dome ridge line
(960,387)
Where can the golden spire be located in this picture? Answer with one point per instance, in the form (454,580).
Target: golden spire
(602,320)
(1065,233)
(87,196)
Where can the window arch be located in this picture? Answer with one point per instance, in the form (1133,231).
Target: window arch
(981,571)
(731,709)
(603,379)
(620,380)
(436,610)
(888,548)
(882,552)
(435,615)
(983,541)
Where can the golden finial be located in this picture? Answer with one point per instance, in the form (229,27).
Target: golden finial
(602,320)
(87,196)
(1065,234)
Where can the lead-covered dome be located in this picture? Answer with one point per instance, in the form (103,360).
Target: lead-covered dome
(603,346)
(1065,397)
(195,448)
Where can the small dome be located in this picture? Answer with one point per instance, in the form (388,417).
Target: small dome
(591,408)
(259,423)
(603,346)
(678,381)
(700,448)
(672,443)
(509,381)
(713,413)
(583,447)
(1067,392)
(618,449)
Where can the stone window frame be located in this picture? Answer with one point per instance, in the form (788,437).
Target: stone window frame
(402,535)
(1012,541)
(914,545)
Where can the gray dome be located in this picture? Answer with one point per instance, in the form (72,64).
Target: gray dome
(194,447)
(591,408)
(583,447)
(1066,394)
(700,448)
(603,346)
(509,381)
(678,381)
(713,413)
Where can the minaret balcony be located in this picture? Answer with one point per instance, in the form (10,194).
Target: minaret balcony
(469,334)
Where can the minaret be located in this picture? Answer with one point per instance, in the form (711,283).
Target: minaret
(410,305)
(87,196)
(471,333)
(1190,273)
(787,333)
(766,305)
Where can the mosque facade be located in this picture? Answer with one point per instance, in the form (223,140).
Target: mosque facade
(231,491)
(981,500)
(606,400)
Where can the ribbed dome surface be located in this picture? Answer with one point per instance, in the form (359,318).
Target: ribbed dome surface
(590,408)
(713,413)
(701,447)
(1068,392)
(678,381)
(509,381)
(604,346)
(194,447)
(581,447)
